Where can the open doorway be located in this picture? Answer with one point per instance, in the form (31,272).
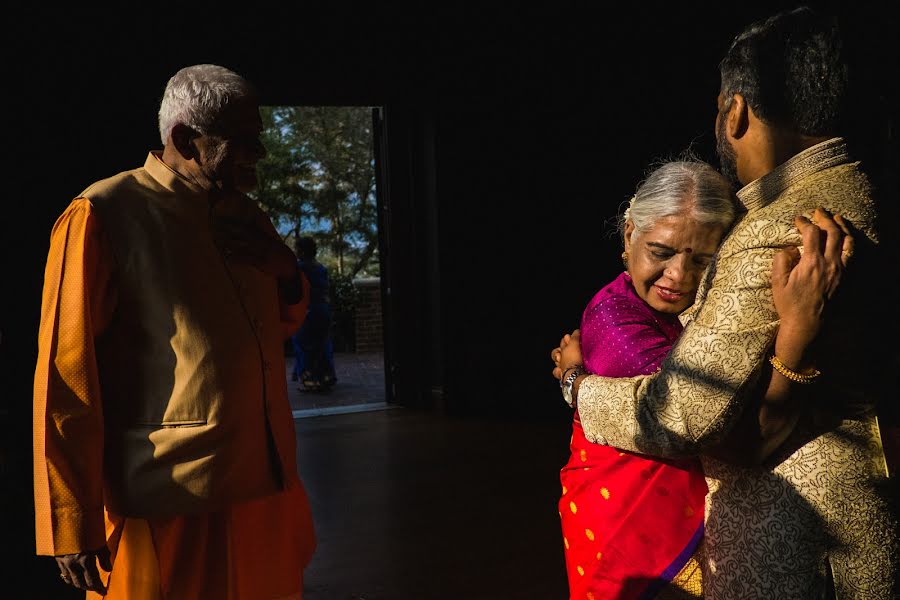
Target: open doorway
(318,184)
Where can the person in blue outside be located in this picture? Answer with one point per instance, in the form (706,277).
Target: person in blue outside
(313,348)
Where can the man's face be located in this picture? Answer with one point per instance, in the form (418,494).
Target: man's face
(230,150)
(726,152)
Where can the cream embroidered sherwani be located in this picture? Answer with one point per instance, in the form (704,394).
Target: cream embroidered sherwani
(770,531)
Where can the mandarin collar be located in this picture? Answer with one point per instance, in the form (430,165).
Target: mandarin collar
(759,193)
(167,177)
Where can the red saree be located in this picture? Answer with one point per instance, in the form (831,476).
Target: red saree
(630,523)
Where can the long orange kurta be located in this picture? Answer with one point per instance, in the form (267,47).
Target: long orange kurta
(250,550)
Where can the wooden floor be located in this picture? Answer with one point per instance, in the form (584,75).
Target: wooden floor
(415,506)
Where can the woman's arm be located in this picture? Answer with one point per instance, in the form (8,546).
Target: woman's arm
(619,338)
(802,287)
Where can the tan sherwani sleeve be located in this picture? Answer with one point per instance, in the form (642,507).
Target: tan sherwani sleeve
(77,304)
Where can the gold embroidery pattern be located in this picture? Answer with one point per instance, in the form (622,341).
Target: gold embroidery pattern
(769,531)
(688,583)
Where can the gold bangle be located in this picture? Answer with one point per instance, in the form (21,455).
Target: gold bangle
(803,378)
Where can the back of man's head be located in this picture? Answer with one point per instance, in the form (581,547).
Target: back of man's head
(306,247)
(195,96)
(791,70)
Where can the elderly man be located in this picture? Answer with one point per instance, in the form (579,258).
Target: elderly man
(164,445)
(824,501)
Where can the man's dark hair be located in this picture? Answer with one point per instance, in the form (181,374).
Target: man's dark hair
(306,247)
(792,72)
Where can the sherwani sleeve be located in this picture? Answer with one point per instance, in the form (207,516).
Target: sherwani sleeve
(77,303)
(690,403)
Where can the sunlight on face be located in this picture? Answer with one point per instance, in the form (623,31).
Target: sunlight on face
(666,262)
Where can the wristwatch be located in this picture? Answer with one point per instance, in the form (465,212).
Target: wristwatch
(567,384)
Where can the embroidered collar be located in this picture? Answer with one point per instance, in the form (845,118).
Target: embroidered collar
(823,155)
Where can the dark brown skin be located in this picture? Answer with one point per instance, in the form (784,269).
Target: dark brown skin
(80,570)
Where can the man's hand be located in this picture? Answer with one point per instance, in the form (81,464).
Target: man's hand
(567,354)
(802,284)
(80,570)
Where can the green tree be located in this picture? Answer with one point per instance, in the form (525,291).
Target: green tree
(319,179)
(283,189)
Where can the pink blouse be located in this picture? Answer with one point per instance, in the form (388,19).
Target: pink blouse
(616,340)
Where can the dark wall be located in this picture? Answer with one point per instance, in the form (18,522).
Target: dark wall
(511,137)
(546,136)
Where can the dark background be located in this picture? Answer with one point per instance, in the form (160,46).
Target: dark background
(509,137)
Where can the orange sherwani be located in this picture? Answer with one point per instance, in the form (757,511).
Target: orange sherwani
(161,420)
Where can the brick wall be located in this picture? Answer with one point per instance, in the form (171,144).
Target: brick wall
(369,326)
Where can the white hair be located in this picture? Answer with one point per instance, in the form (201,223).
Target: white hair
(680,187)
(196,95)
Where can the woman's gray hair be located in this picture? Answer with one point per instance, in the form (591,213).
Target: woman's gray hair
(196,95)
(681,187)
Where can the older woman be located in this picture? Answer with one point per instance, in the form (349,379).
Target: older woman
(632,523)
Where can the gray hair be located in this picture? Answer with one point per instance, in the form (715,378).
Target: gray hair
(679,187)
(196,95)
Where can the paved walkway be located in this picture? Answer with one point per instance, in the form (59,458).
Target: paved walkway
(360,387)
